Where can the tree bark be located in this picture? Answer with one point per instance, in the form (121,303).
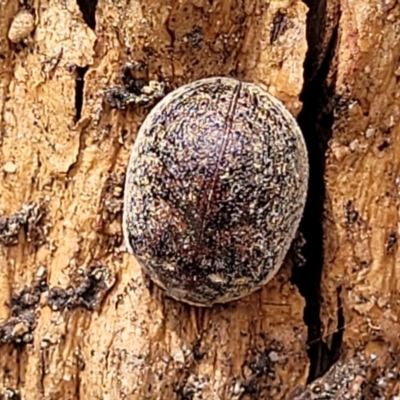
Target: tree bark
(78,320)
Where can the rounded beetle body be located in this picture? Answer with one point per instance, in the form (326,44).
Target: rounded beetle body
(215,190)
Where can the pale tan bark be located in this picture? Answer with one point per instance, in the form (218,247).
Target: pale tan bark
(89,325)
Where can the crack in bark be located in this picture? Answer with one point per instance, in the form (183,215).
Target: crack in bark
(316,120)
(88,10)
(79,87)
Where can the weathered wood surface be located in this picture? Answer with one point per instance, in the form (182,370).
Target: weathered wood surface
(78,319)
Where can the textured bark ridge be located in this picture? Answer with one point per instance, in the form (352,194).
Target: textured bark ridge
(78,320)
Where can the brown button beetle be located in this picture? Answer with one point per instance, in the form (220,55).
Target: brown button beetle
(215,190)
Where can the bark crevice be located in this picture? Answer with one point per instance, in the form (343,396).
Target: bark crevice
(315,120)
(88,10)
(79,91)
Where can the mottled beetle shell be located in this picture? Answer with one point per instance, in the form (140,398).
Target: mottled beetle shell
(215,190)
